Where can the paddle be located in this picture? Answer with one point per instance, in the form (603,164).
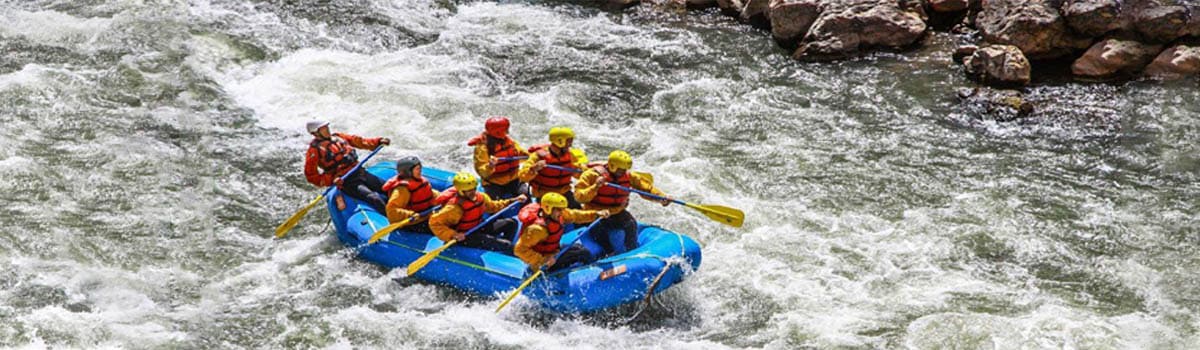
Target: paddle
(420,263)
(509,159)
(389,228)
(726,215)
(283,229)
(561,249)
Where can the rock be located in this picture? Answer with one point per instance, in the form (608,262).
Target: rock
(1093,17)
(790,19)
(1034,26)
(948,5)
(1001,105)
(1002,65)
(846,27)
(1113,57)
(1179,61)
(731,8)
(755,13)
(694,4)
(963,52)
(1162,23)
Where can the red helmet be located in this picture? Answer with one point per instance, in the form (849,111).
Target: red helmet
(496,126)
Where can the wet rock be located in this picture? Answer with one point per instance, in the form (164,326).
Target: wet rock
(1176,62)
(964,52)
(620,4)
(755,13)
(731,7)
(1093,17)
(1002,105)
(791,19)
(697,4)
(1002,65)
(845,28)
(1034,26)
(1162,23)
(948,5)
(1113,57)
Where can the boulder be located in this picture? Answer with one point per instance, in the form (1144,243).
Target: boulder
(694,4)
(755,13)
(1034,26)
(846,27)
(1093,17)
(790,19)
(731,8)
(1113,57)
(1176,62)
(1002,65)
(1162,23)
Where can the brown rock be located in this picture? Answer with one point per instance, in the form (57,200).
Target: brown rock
(1112,57)
(755,13)
(1162,23)
(1093,17)
(964,52)
(948,5)
(846,27)
(1034,26)
(696,4)
(790,19)
(1176,62)
(1003,65)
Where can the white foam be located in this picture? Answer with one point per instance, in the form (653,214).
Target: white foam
(53,28)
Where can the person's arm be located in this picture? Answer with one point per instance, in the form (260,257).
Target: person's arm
(644,184)
(527,172)
(493,206)
(312,173)
(441,221)
(396,203)
(524,248)
(359,141)
(577,216)
(483,165)
(587,187)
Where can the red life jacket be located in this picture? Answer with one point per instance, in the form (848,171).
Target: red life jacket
(335,155)
(420,193)
(472,210)
(610,196)
(499,149)
(553,178)
(532,215)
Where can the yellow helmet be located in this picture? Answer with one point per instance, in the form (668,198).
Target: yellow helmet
(620,160)
(560,134)
(553,200)
(464,181)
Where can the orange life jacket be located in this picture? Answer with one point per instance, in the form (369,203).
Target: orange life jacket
(420,193)
(499,148)
(532,215)
(472,209)
(610,196)
(336,155)
(553,178)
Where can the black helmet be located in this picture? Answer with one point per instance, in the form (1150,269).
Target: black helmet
(404,165)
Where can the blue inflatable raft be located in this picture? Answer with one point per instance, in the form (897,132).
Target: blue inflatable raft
(659,262)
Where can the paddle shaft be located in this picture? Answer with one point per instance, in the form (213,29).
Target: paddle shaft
(392,227)
(354,169)
(489,220)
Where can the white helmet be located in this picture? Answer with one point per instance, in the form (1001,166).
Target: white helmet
(313,126)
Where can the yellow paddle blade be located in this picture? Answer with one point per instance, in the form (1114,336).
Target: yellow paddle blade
(386,230)
(420,263)
(725,215)
(517,292)
(286,226)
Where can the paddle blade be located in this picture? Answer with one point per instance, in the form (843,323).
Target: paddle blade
(384,231)
(420,263)
(291,222)
(725,215)
(517,292)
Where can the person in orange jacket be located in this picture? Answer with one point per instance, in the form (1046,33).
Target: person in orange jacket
(331,156)
(543,180)
(544,225)
(592,191)
(464,209)
(499,176)
(409,195)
